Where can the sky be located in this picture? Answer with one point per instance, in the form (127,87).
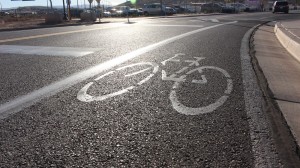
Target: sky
(13,4)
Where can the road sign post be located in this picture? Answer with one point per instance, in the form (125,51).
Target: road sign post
(99,9)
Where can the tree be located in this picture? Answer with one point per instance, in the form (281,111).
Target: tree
(90,1)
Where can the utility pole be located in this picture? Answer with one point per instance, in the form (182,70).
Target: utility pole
(1,7)
(161,8)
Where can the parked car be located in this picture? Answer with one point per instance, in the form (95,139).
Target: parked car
(118,10)
(133,12)
(217,8)
(211,8)
(3,13)
(239,7)
(106,14)
(170,11)
(280,6)
(228,9)
(154,9)
(179,9)
(113,11)
(140,12)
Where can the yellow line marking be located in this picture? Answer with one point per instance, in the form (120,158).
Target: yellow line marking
(53,34)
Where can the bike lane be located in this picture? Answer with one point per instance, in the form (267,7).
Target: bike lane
(39,61)
(141,126)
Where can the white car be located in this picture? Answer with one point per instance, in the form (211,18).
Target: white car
(106,14)
(154,9)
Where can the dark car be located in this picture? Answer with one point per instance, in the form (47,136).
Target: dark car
(179,9)
(211,8)
(216,7)
(280,6)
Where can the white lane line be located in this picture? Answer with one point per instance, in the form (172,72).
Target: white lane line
(16,105)
(262,18)
(215,20)
(196,20)
(212,20)
(59,33)
(263,151)
(160,25)
(48,51)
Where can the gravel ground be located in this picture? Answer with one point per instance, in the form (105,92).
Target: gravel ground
(29,24)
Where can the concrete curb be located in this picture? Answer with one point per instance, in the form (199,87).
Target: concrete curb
(263,148)
(292,46)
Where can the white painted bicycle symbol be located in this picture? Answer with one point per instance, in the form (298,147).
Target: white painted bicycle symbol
(84,96)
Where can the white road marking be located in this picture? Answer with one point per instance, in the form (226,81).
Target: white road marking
(18,104)
(181,108)
(182,70)
(172,77)
(196,20)
(59,33)
(195,62)
(165,21)
(172,59)
(262,18)
(215,20)
(47,51)
(212,20)
(85,97)
(160,25)
(202,81)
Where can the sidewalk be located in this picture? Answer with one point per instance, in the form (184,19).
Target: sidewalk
(277,51)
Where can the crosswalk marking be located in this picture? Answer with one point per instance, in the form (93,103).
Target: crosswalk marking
(46,51)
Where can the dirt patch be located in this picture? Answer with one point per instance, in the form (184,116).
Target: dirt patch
(17,24)
(20,24)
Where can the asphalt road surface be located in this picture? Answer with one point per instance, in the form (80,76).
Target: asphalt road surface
(163,92)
